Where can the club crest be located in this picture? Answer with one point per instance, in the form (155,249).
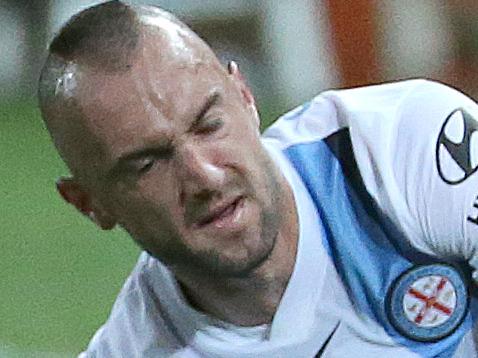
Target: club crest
(428,302)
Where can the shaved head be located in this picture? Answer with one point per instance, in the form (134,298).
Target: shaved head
(105,40)
(104,36)
(163,141)
(157,133)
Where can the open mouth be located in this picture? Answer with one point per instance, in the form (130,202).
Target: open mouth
(220,214)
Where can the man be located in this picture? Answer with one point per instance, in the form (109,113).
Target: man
(348,229)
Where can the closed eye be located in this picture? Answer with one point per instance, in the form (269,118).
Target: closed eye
(145,165)
(139,166)
(140,161)
(144,162)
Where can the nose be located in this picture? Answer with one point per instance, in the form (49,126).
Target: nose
(197,172)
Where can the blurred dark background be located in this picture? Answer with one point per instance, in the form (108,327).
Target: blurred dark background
(59,275)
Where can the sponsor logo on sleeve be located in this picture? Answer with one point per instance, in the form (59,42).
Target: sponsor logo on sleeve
(457,147)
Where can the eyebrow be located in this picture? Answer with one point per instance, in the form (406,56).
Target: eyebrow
(212,99)
(164,149)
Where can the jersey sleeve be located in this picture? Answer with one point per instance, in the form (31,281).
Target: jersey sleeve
(136,326)
(419,157)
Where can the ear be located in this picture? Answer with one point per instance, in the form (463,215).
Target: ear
(234,71)
(73,193)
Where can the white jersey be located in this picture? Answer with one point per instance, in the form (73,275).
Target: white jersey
(384,184)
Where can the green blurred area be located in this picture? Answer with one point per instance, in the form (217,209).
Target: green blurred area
(60,274)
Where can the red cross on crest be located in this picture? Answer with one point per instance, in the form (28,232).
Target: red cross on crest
(429,301)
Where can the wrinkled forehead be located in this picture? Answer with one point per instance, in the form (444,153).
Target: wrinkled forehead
(161,93)
(171,69)
(162,79)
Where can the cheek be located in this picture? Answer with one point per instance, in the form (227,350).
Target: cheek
(264,176)
(239,149)
(151,221)
(146,202)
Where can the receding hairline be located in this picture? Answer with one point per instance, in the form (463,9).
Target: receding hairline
(118,53)
(58,108)
(114,28)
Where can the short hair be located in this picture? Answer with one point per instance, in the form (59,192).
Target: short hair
(102,36)
(105,38)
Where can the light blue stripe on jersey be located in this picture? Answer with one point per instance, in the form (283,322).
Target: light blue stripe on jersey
(358,240)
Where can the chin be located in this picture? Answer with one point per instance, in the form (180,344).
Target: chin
(243,257)
(221,265)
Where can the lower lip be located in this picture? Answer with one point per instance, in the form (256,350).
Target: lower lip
(231,219)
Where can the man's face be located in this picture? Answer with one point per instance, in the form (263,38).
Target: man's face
(177,161)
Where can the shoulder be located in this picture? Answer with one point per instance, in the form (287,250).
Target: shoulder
(393,132)
(130,328)
(367,111)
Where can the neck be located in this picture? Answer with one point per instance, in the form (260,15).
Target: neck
(251,300)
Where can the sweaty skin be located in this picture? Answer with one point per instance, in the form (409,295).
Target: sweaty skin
(170,150)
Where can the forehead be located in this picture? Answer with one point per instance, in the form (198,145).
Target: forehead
(171,64)
(158,94)
(166,91)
